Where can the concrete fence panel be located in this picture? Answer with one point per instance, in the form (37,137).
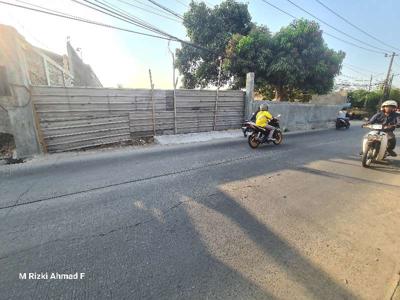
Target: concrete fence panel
(301,116)
(75,118)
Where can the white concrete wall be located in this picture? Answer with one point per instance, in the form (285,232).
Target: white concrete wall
(299,116)
(5,126)
(339,97)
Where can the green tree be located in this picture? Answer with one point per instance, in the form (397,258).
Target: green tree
(250,53)
(363,99)
(212,29)
(395,94)
(302,60)
(358,98)
(294,61)
(372,100)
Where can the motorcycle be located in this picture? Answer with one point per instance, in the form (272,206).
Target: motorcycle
(246,128)
(375,142)
(342,123)
(259,135)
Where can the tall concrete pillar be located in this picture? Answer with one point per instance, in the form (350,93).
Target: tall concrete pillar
(16,97)
(249,95)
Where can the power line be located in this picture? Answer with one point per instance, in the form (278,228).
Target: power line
(148,10)
(123,17)
(150,6)
(79,19)
(110,10)
(355,70)
(334,28)
(363,69)
(352,44)
(352,77)
(281,10)
(183,3)
(127,17)
(355,26)
(29,32)
(165,8)
(326,33)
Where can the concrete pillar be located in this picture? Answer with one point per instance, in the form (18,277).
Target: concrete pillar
(249,95)
(18,104)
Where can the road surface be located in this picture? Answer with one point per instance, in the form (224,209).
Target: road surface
(213,220)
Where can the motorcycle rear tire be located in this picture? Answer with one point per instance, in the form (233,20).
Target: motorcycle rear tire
(278,138)
(253,141)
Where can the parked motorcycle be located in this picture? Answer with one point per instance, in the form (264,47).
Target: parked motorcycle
(342,123)
(375,145)
(259,135)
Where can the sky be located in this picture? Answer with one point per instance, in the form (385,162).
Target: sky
(121,58)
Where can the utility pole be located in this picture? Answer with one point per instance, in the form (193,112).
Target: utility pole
(152,103)
(217,98)
(390,84)
(174,83)
(386,86)
(370,83)
(369,89)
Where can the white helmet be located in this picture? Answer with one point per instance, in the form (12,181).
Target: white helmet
(389,103)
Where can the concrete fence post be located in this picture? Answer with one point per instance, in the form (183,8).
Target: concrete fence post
(18,103)
(153,107)
(249,95)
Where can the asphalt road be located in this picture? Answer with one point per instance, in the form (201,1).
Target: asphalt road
(213,220)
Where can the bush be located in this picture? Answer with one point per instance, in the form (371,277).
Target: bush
(363,99)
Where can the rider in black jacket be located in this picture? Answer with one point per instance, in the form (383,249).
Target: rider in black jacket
(387,117)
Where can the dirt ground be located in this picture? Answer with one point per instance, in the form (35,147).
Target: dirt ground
(7,145)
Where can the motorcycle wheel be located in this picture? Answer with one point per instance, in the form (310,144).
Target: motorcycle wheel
(367,157)
(253,141)
(278,138)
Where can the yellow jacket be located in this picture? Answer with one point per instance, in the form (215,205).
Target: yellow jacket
(263,117)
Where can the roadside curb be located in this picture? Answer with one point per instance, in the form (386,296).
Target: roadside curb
(184,139)
(42,162)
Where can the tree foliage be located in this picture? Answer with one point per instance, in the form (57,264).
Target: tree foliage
(293,61)
(249,53)
(364,99)
(212,29)
(370,100)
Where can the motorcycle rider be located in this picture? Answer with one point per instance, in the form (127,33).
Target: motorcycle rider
(387,117)
(342,115)
(262,119)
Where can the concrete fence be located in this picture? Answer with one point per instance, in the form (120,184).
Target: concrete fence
(300,116)
(5,126)
(77,118)
(57,119)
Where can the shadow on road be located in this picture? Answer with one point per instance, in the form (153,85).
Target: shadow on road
(163,256)
(318,283)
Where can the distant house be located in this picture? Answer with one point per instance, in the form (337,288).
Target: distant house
(338,97)
(45,67)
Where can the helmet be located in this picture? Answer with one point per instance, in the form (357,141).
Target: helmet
(389,103)
(263,107)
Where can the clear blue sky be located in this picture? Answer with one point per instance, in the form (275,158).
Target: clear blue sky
(125,58)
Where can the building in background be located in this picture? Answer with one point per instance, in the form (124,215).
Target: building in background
(22,65)
(45,67)
(334,98)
